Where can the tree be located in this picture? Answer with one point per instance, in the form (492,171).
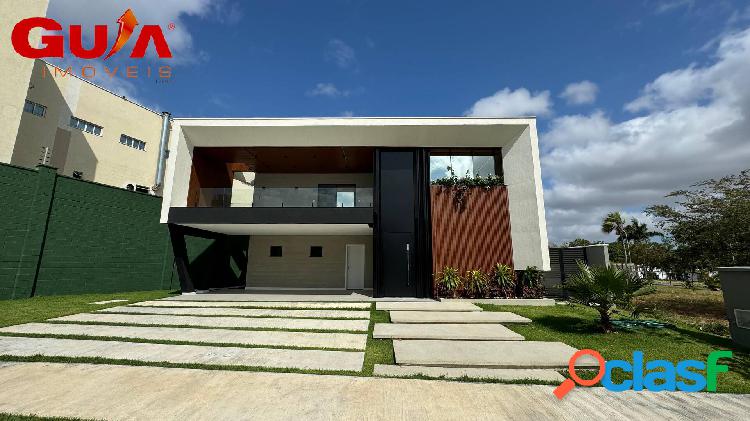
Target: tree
(604,287)
(639,232)
(615,223)
(710,222)
(578,242)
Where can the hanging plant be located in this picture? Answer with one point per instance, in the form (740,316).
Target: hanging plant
(460,186)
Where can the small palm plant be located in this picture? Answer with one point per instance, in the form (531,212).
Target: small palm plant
(504,278)
(449,281)
(475,282)
(603,288)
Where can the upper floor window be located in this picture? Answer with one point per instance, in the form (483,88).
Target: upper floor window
(34,108)
(132,142)
(85,126)
(336,195)
(465,163)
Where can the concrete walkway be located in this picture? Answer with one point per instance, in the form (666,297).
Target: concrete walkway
(242,312)
(470,372)
(473,332)
(221,322)
(220,336)
(184,354)
(129,393)
(456,317)
(256,304)
(427,306)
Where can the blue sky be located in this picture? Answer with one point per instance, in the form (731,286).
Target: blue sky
(616,84)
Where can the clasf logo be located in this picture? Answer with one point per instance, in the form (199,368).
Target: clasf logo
(53,44)
(659,375)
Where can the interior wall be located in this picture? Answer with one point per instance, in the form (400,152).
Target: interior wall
(296,269)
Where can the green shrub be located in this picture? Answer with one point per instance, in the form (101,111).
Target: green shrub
(711,281)
(449,281)
(475,283)
(504,279)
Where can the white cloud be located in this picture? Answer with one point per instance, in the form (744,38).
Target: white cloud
(507,103)
(329,90)
(148,12)
(696,127)
(665,6)
(579,93)
(340,53)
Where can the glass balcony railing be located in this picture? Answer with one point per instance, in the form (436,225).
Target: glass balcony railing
(290,197)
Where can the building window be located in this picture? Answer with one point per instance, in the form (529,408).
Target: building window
(316,251)
(85,126)
(141,189)
(78,174)
(34,108)
(276,251)
(132,142)
(465,163)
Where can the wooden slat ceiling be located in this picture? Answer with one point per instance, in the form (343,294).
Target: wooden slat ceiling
(293,160)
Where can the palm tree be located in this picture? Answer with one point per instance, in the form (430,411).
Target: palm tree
(614,222)
(638,232)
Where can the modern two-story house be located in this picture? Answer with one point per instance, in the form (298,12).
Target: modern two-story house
(351,203)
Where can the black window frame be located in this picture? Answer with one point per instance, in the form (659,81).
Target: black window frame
(316,251)
(276,251)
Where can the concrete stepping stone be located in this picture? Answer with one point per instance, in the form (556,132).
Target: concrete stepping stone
(219,322)
(469,332)
(456,317)
(109,302)
(255,304)
(427,306)
(184,354)
(509,374)
(243,312)
(222,336)
(488,354)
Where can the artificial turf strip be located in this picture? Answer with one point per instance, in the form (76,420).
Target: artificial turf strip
(38,309)
(377,351)
(578,327)
(361,332)
(170,342)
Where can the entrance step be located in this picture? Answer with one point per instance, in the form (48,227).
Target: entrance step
(469,332)
(488,354)
(330,340)
(184,354)
(219,322)
(428,306)
(456,317)
(255,304)
(509,374)
(243,312)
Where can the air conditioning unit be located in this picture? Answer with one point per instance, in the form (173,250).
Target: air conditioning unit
(138,188)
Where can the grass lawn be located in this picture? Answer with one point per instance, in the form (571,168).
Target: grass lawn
(37,309)
(577,326)
(700,308)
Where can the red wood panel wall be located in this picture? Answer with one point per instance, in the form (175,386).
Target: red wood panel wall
(476,237)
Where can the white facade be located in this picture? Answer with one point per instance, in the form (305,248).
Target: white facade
(516,137)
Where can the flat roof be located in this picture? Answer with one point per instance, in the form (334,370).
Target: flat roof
(352,121)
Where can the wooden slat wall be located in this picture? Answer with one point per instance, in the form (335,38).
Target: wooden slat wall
(477,237)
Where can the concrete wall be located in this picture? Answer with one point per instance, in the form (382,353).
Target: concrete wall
(296,269)
(102,159)
(15,70)
(528,224)
(735,286)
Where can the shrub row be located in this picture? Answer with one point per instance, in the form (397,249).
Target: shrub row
(501,282)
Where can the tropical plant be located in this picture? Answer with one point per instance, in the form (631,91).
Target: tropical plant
(460,186)
(638,232)
(603,288)
(615,223)
(449,280)
(532,277)
(475,282)
(503,276)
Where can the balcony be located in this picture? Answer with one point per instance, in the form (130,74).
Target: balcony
(332,196)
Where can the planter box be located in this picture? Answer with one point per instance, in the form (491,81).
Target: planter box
(735,285)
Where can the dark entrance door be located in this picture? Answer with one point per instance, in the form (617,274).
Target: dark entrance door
(397,223)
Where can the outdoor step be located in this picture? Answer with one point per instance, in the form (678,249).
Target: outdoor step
(246,296)
(255,304)
(427,306)
(488,354)
(456,317)
(508,374)
(184,354)
(222,336)
(533,302)
(243,312)
(469,332)
(220,322)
